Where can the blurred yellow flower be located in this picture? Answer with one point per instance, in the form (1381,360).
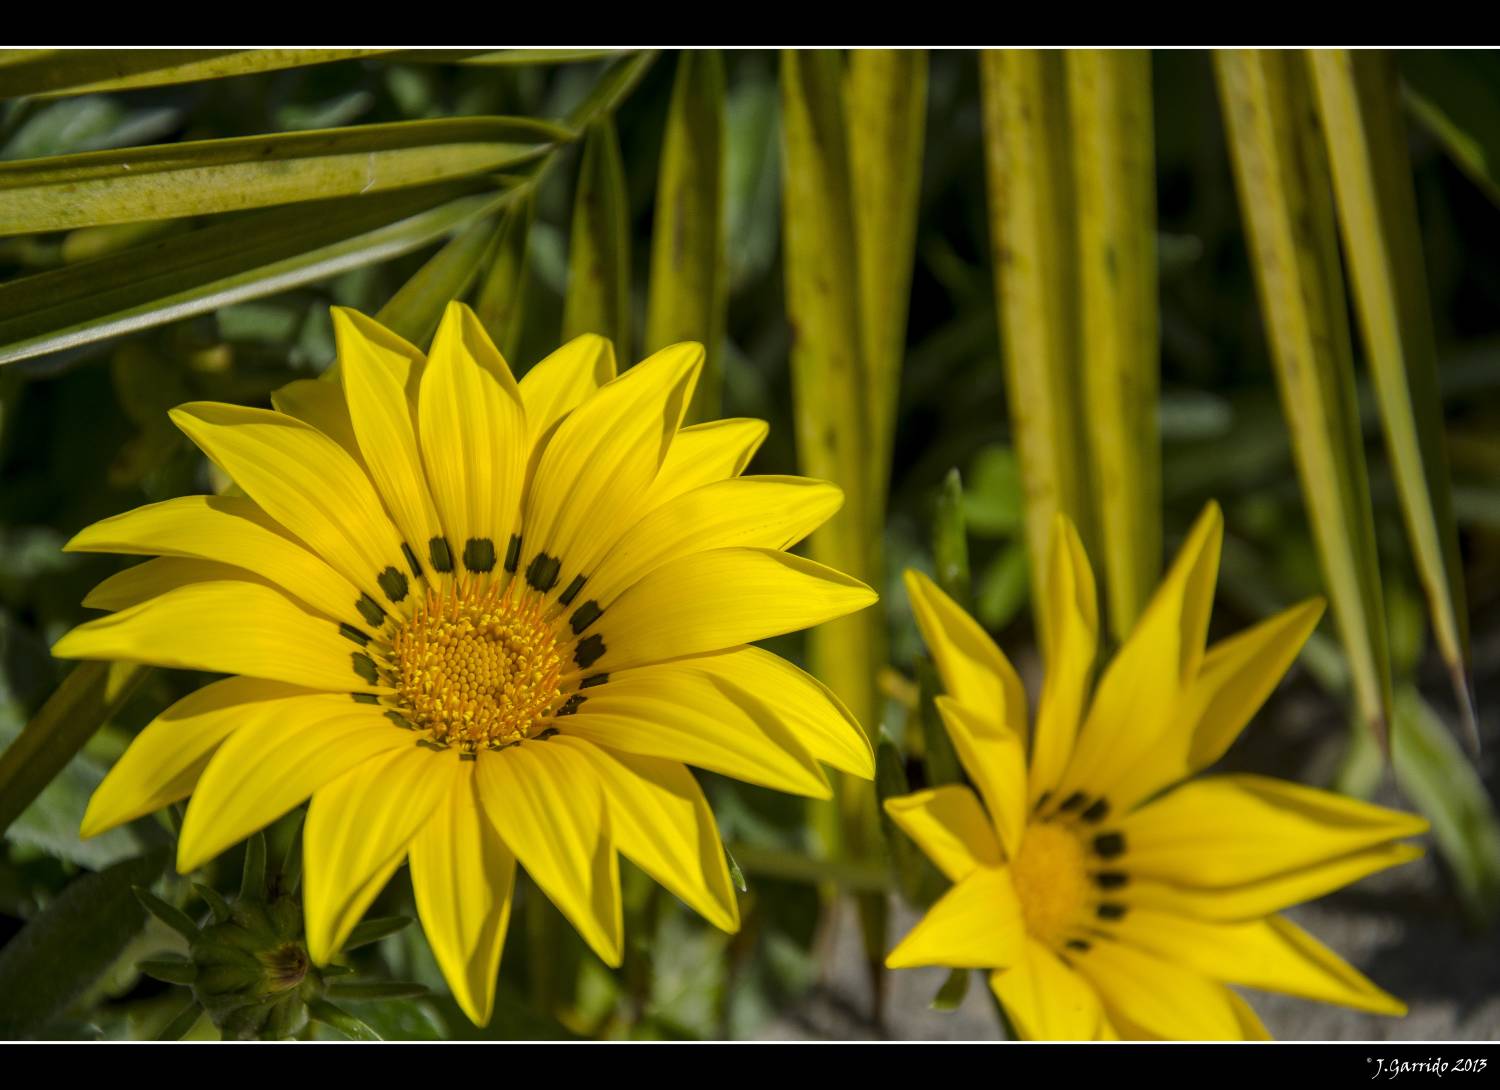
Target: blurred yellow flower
(480,623)
(1104,905)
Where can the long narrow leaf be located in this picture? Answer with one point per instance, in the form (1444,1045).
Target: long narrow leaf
(1031,234)
(417,307)
(227,262)
(1455,95)
(613,87)
(598,299)
(501,300)
(56,72)
(1377,207)
(688,278)
(1282,175)
(1109,96)
(210,176)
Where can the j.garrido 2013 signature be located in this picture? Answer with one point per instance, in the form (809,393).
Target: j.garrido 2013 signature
(1394,1068)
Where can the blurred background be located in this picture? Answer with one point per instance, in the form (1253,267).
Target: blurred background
(108,325)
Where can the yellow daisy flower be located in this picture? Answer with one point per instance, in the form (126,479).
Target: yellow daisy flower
(480,622)
(1104,905)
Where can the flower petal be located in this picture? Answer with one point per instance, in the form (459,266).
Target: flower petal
(320,403)
(165,759)
(548,805)
(1045,999)
(1074,638)
(714,600)
(974,671)
(306,482)
(230,627)
(474,442)
(358,829)
(661,821)
(703,453)
(588,485)
(281,753)
(562,381)
(230,529)
(687,712)
(141,582)
(1146,997)
(975,925)
(995,760)
(463,876)
(950,827)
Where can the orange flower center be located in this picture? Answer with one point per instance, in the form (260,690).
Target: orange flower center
(1051,880)
(474,669)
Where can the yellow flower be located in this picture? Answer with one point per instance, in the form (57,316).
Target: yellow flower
(480,623)
(1103,906)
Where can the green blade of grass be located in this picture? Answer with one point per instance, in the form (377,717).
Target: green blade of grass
(598,298)
(211,176)
(1282,175)
(57,72)
(1358,97)
(1031,234)
(688,279)
(1109,96)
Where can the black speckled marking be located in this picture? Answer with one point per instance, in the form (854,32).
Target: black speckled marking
(428,743)
(365,698)
(1072,802)
(1041,801)
(440,554)
(570,706)
(1081,945)
(400,720)
(584,616)
(1111,910)
(541,573)
(1097,812)
(467,755)
(479,554)
(1111,879)
(370,610)
(349,632)
(567,596)
(513,554)
(592,680)
(365,667)
(411,561)
(1109,845)
(588,651)
(393,583)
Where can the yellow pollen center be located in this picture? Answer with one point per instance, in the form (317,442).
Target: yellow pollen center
(474,669)
(1050,880)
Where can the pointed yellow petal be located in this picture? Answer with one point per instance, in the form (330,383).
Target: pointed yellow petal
(230,529)
(231,627)
(950,827)
(1146,997)
(974,671)
(1138,695)
(1046,1000)
(462,875)
(1255,900)
(591,478)
(357,833)
(809,708)
(715,600)
(474,441)
(704,453)
(1073,607)
(759,512)
(306,482)
(1271,954)
(320,403)
(165,760)
(995,760)
(1251,1027)
(687,712)
(1234,830)
(283,753)
(975,925)
(548,805)
(662,822)
(563,381)
(148,579)
(377,384)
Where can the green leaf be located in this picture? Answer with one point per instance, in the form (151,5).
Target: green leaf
(688,280)
(355,990)
(182,1024)
(1377,208)
(1032,217)
(375,929)
(598,298)
(914,875)
(90,694)
(1283,180)
(400,1020)
(518,57)
(169,970)
(415,310)
(171,915)
(791,866)
(951,995)
(501,300)
(993,500)
(64,949)
(1109,96)
(938,755)
(253,872)
(1455,95)
(341,1020)
(214,900)
(1003,588)
(209,176)
(612,88)
(80,71)
(227,262)
(736,875)
(950,541)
